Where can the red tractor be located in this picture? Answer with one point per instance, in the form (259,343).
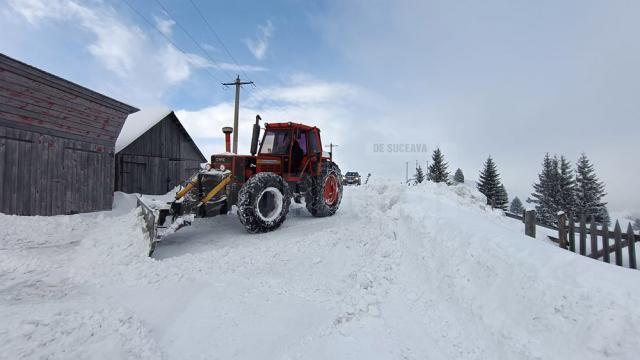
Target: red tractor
(289,164)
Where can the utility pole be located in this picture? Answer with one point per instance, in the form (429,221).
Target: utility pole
(407,163)
(237,83)
(331,146)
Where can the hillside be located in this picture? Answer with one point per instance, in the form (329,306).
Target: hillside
(399,272)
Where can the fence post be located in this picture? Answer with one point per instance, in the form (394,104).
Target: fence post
(631,244)
(605,243)
(572,234)
(617,235)
(562,231)
(583,235)
(530,223)
(593,229)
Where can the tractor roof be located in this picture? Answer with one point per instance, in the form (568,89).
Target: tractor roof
(288,125)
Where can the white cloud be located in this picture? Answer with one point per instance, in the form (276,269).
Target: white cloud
(164,25)
(146,67)
(114,44)
(259,46)
(346,114)
(488,78)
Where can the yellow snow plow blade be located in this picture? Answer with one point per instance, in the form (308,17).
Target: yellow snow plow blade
(202,196)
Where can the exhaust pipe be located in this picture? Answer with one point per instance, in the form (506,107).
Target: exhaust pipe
(255,136)
(227,137)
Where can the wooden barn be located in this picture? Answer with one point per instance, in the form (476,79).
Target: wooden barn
(57,143)
(154,153)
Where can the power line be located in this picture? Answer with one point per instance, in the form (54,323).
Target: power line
(206,53)
(165,36)
(215,34)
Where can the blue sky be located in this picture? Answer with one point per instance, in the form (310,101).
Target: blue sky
(511,79)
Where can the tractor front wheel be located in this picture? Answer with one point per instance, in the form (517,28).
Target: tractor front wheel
(324,192)
(263,202)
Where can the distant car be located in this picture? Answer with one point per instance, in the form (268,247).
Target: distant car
(351,178)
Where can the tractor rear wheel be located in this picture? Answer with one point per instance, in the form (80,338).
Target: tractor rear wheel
(324,192)
(263,202)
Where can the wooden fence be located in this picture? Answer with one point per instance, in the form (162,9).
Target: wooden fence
(588,238)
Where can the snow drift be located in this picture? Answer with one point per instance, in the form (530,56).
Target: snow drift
(399,272)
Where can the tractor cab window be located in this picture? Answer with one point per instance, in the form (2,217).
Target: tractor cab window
(314,147)
(276,142)
(302,141)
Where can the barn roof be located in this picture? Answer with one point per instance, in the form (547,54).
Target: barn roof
(139,123)
(65,85)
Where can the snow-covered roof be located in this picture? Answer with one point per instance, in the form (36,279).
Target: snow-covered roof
(138,123)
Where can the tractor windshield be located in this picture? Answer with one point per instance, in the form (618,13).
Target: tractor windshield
(276,142)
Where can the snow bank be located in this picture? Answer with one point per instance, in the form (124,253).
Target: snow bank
(425,271)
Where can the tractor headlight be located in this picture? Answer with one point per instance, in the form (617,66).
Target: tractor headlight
(222,168)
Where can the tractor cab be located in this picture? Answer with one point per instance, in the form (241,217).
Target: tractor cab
(289,149)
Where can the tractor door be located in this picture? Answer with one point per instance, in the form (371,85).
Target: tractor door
(298,153)
(274,151)
(314,151)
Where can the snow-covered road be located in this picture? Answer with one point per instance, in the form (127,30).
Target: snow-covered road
(399,272)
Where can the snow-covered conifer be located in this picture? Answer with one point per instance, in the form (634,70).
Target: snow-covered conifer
(489,184)
(589,191)
(419,176)
(546,192)
(458,177)
(566,182)
(516,206)
(502,199)
(438,169)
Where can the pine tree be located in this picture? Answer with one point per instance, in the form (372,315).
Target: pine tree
(458,177)
(419,176)
(566,182)
(589,191)
(516,206)
(438,169)
(489,184)
(546,191)
(502,199)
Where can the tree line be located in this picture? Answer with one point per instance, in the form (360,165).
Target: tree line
(489,183)
(559,188)
(577,194)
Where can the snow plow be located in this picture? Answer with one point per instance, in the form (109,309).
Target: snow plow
(288,163)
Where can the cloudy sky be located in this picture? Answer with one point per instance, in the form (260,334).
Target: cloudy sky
(510,79)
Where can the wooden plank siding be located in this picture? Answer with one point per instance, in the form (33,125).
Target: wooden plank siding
(47,175)
(57,143)
(158,160)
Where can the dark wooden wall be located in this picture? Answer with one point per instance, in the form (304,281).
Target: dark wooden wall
(157,161)
(56,143)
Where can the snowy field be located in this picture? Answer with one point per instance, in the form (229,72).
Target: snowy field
(423,272)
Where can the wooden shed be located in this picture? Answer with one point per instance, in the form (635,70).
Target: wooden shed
(154,153)
(57,143)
